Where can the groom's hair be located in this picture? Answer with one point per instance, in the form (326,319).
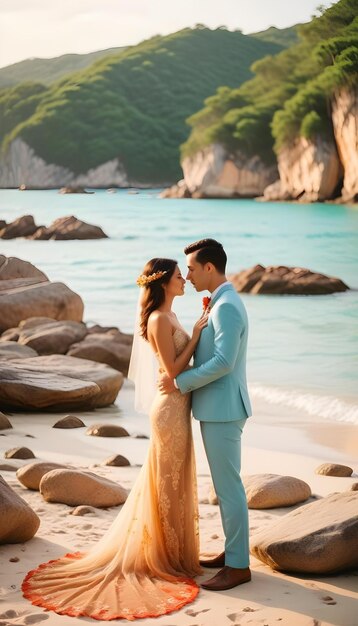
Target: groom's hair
(208,251)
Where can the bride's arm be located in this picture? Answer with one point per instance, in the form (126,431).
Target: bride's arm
(160,333)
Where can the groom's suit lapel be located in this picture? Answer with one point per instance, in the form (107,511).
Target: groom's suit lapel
(220,293)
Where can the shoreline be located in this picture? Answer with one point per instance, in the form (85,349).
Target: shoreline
(271,444)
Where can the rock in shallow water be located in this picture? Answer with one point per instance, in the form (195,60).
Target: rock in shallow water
(280,279)
(75,488)
(18,522)
(317,538)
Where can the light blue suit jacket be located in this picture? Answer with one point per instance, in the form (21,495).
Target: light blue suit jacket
(218,378)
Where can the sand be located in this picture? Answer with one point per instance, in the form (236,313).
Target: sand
(275,441)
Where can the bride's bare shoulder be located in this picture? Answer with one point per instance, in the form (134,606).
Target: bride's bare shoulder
(158,319)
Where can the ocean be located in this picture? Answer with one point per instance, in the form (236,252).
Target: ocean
(303,350)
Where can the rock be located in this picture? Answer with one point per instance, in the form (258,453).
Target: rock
(4,422)
(354,487)
(73,189)
(11,334)
(57,382)
(69,421)
(11,350)
(75,487)
(22,166)
(345,126)
(52,337)
(117,460)
(279,279)
(21,227)
(69,228)
(317,538)
(268,491)
(180,190)
(84,510)
(12,267)
(112,347)
(6,467)
(14,559)
(106,430)
(19,453)
(20,300)
(30,475)
(310,171)
(333,469)
(18,522)
(213,172)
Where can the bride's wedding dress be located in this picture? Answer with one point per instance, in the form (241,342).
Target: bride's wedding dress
(142,565)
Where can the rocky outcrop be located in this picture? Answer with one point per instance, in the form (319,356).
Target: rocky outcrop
(26,292)
(213,172)
(12,350)
(21,166)
(75,488)
(317,538)
(279,279)
(69,228)
(345,126)
(18,522)
(57,382)
(310,171)
(22,227)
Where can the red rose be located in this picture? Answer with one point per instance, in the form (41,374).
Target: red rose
(206,302)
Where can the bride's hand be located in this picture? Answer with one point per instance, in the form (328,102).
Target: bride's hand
(199,325)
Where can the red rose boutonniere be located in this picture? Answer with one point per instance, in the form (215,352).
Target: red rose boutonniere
(206,303)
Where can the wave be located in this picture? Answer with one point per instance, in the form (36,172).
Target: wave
(327,407)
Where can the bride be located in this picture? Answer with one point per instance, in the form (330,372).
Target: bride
(144,564)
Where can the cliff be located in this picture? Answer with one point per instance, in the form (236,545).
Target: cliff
(345,125)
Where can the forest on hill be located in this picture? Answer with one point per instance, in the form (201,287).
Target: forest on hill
(131,105)
(289,96)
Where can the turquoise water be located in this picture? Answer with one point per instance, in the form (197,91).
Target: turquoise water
(302,351)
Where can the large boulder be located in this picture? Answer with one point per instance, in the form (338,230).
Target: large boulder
(112,347)
(279,279)
(317,538)
(30,474)
(18,522)
(19,300)
(12,267)
(57,382)
(69,228)
(12,350)
(267,491)
(21,227)
(74,487)
(51,337)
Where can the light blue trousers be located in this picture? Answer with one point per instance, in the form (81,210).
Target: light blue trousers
(222,442)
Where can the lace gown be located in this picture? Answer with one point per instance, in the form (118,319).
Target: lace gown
(142,566)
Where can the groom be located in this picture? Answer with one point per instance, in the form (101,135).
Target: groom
(221,403)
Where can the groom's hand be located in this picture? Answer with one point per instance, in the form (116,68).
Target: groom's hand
(166,384)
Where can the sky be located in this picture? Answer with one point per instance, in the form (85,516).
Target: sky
(50,28)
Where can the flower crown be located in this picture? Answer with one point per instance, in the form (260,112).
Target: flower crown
(143,280)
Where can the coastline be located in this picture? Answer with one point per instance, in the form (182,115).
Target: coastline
(275,440)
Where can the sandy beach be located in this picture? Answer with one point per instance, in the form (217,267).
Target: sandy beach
(274,442)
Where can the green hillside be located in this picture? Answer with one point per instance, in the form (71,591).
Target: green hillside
(50,70)
(290,93)
(284,37)
(132,105)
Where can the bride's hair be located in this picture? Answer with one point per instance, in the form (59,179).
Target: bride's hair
(153,292)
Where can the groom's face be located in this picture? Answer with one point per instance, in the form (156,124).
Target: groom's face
(197,273)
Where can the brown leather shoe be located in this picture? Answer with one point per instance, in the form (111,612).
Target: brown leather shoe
(217,561)
(227,578)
